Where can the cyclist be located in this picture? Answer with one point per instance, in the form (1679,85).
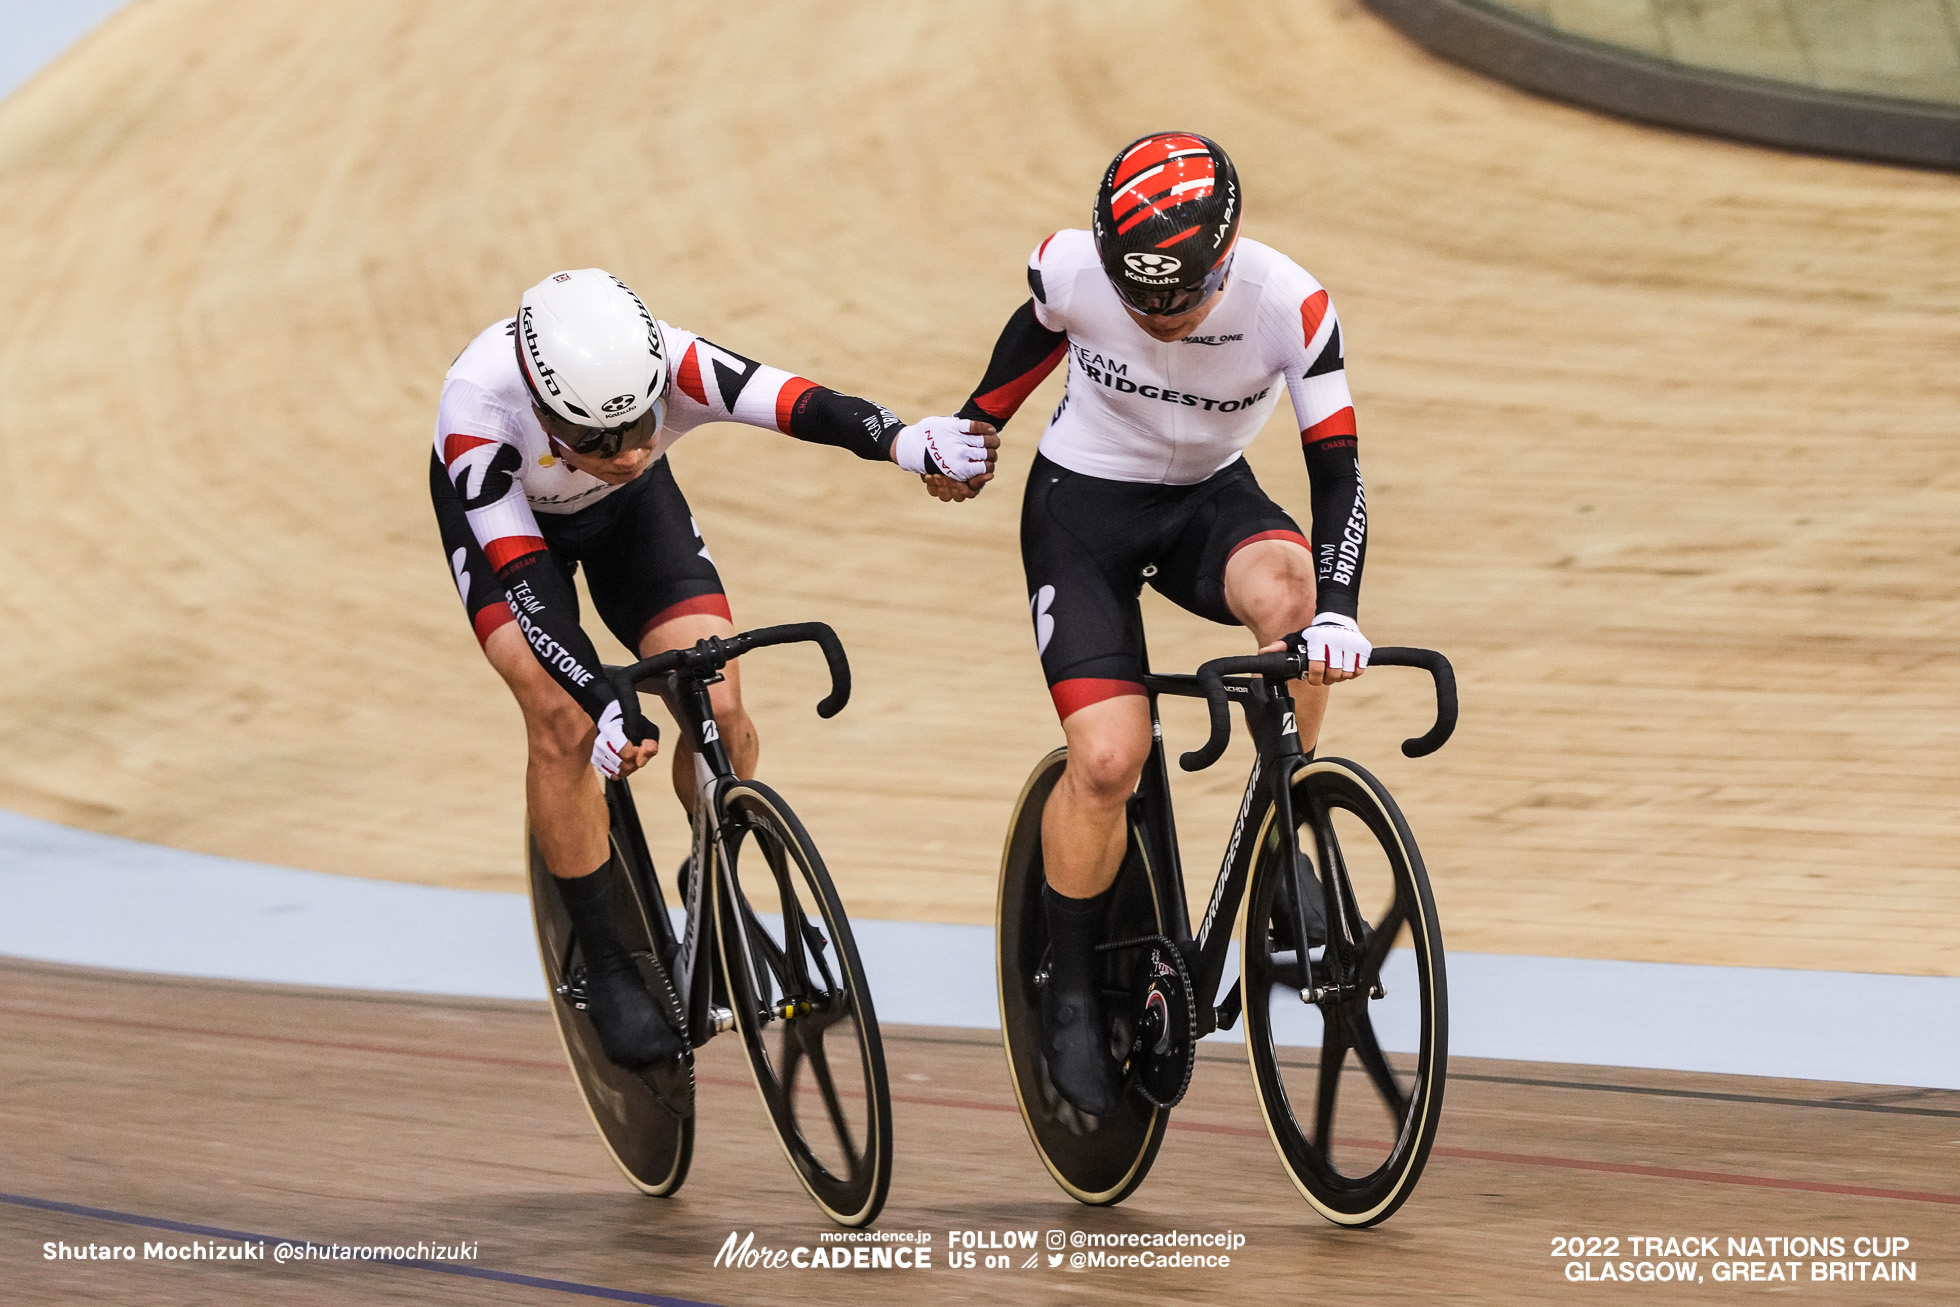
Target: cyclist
(549,445)
(1180,336)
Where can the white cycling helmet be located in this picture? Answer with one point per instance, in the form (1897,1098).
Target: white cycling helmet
(592,357)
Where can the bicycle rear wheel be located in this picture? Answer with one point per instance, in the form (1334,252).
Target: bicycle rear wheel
(803,1006)
(1096,1160)
(1375,990)
(645,1118)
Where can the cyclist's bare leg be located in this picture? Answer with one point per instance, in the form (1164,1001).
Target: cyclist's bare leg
(562,794)
(731,718)
(1082,831)
(1082,843)
(1269,585)
(566,803)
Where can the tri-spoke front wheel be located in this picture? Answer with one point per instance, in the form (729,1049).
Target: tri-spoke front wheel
(803,1007)
(1348,1027)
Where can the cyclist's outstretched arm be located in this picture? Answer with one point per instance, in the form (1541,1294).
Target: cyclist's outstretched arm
(716,384)
(1030,345)
(1034,340)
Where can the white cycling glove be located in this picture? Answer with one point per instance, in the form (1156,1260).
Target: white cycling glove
(1336,641)
(948,445)
(612,740)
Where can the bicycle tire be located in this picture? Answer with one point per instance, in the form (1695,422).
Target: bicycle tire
(778,977)
(1372,850)
(644,1118)
(1096,1161)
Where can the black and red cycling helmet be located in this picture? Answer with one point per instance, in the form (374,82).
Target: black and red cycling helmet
(1167,217)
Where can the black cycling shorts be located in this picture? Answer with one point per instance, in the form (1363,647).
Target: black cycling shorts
(645,561)
(1088,546)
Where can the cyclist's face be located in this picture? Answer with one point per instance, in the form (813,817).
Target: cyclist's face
(1178,326)
(634,453)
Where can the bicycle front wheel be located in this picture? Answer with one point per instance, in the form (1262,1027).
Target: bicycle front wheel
(1367,989)
(802,1006)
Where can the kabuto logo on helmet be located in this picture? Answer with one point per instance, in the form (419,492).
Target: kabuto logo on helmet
(538,365)
(1153,267)
(583,335)
(1170,190)
(653,330)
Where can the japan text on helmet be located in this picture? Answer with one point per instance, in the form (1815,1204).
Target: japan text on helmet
(592,358)
(1167,217)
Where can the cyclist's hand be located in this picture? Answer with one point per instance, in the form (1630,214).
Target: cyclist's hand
(1335,648)
(952,447)
(951,491)
(612,754)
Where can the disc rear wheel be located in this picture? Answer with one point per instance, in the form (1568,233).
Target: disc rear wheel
(645,1118)
(1096,1160)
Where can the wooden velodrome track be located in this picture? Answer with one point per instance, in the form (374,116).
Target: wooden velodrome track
(1659,440)
(359,1121)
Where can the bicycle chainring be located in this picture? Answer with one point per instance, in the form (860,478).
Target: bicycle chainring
(1163,1041)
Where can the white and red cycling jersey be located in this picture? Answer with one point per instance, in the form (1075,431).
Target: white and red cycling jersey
(496,467)
(507,469)
(1177,413)
(1140,409)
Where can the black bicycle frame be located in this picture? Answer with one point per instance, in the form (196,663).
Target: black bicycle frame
(683,677)
(1270,717)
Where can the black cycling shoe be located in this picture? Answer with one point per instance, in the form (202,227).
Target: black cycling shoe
(631,1028)
(1075,1041)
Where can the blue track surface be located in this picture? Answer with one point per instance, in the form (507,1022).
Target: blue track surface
(93,900)
(33,32)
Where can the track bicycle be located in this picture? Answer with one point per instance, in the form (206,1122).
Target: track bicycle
(1341,949)
(766,951)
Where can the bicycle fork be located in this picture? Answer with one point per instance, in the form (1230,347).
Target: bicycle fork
(1271,718)
(712,771)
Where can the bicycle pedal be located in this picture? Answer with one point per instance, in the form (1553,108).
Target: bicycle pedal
(722,1019)
(572,989)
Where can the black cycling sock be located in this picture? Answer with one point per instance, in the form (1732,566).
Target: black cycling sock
(1075,927)
(589,901)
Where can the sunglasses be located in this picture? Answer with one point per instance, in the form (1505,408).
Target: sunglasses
(602,442)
